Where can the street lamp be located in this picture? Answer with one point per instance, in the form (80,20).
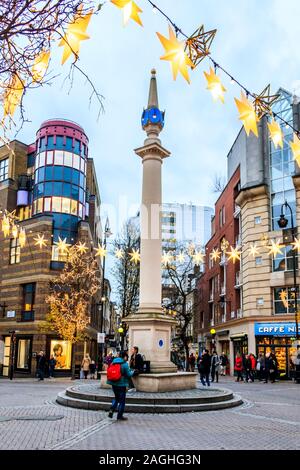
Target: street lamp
(107,234)
(283,222)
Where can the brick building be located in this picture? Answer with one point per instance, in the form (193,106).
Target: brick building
(52,187)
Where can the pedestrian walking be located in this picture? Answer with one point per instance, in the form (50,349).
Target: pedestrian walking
(260,367)
(223,363)
(253,366)
(204,367)
(192,361)
(41,365)
(118,374)
(238,367)
(51,366)
(268,367)
(274,366)
(85,365)
(92,369)
(248,368)
(215,366)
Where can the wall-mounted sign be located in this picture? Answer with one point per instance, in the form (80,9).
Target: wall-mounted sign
(161,343)
(10,314)
(101,338)
(275,329)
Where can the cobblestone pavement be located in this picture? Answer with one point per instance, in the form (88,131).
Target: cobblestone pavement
(30,419)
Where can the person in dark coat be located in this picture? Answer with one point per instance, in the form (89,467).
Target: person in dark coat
(204,367)
(268,367)
(215,366)
(41,365)
(274,367)
(248,368)
(223,363)
(192,361)
(51,366)
(136,360)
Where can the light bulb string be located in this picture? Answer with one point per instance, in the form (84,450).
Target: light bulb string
(218,66)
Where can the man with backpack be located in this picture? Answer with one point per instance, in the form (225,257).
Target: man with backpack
(118,374)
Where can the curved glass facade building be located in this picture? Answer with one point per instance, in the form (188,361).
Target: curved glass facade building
(59,185)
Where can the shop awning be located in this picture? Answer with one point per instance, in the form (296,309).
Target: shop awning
(238,336)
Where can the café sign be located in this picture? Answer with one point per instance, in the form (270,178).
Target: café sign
(275,329)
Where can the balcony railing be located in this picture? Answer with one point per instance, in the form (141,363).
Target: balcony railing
(27,315)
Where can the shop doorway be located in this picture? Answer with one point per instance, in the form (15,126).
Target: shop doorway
(284,350)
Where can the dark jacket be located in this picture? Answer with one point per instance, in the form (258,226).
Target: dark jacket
(136,362)
(204,363)
(41,362)
(223,360)
(125,371)
(52,363)
(248,364)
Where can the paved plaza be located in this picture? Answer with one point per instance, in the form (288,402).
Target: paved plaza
(30,419)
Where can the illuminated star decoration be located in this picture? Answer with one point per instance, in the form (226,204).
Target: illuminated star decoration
(275,133)
(198,258)
(247,114)
(234,254)
(264,239)
(263,102)
(22,237)
(166,258)
(40,241)
(180,257)
(296,244)
(275,248)
(130,10)
(253,250)
(283,298)
(14,231)
(224,244)
(40,66)
(13,96)
(75,33)
(81,247)
(176,55)
(295,146)
(135,256)
(5,226)
(119,253)
(62,245)
(214,85)
(215,254)
(198,44)
(100,251)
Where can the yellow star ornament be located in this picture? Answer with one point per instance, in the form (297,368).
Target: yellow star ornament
(215,255)
(100,251)
(75,33)
(247,114)
(62,245)
(40,66)
(275,133)
(81,248)
(296,244)
(5,226)
(12,96)
(234,254)
(295,146)
(40,241)
(135,256)
(283,298)
(130,10)
(214,85)
(275,248)
(176,54)
(119,253)
(180,257)
(253,250)
(22,237)
(198,258)
(166,258)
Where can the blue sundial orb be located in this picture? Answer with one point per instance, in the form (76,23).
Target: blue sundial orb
(153,116)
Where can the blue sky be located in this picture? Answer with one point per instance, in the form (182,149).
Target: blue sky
(257,41)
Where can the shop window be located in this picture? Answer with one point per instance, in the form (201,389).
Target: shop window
(62,352)
(50,157)
(28,296)
(15,251)
(7,342)
(23,357)
(284,300)
(39,205)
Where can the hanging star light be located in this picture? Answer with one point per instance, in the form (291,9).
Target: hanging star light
(198,258)
(224,244)
(130,10)
(276,134)
(119,253)
(180,257)
(81,247)
(135,256)
(263,102)
(247,114)
(191,249)
(275,248)
(15,231)
(215,255)
(5,226)
(198,44)
(253,250)
(234,254)
(40,241)
(176,55)
(296,244)
(62,245)
(264,239)
(214,85)
(283,297)
(40,66)
(100,251)
(22,237)
(295,146)
(13,95)
(166,258)
(75,33)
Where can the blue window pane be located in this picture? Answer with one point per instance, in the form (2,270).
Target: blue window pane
(35,192)
(30,160)
(81,180)
(59,141)
(82,153)
(42,143)
(75,177)
(48,173)
(75,192)
(67,174)
(65,223)
(77,147)
(41,175)
(40,189)
(50,143)
(57,173)
(67,190)
(48,189)
(57,189)
(69,144)
(81,195)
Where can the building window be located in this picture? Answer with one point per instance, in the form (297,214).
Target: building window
(57,255)
(4,169)
(23,357)
(258,261)
(284,261)
(284,300)
(15,251)
(260,302)
(28,296)
(257,220)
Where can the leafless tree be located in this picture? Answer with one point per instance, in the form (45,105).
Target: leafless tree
(218,183)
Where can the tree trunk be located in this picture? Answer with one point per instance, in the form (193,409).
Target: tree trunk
(187,355)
